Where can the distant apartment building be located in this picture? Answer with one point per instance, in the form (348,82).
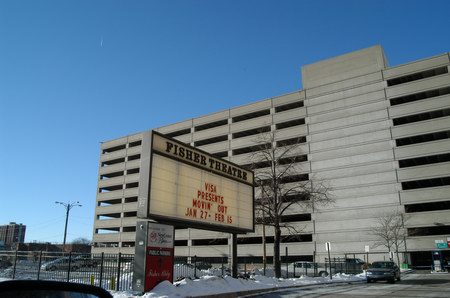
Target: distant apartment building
(12,233)
(378,134)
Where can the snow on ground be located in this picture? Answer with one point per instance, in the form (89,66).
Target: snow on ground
(208,285)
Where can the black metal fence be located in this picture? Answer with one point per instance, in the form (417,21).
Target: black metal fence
(109,271)
(344,265)
(195,267)
(114,271)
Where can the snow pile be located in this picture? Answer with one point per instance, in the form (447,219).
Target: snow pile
(209,285)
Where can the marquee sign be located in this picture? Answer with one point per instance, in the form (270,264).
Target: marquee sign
(193,188)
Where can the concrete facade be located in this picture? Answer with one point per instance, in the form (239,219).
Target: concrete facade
(379,135)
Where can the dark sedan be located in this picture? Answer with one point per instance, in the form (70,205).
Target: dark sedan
(383,270)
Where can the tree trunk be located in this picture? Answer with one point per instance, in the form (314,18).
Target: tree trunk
(396,252)
(276,251)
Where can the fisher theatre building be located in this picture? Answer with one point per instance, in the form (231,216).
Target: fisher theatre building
(378,134)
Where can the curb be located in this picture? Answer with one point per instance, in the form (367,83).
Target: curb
(249,293)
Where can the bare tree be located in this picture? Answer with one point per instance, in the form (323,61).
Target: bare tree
(282,183)
(390,232)
(81,240)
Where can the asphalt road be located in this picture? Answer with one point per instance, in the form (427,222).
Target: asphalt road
(411,285)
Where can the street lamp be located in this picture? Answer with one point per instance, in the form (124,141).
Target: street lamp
(68,206)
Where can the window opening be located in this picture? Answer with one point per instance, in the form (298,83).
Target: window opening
(293,141)
(112,149)
(211,141)
(250,132)
(134,157)
(421,117)
(221,154)
(289,106)
(417,76)
(113,161)
(429,137)
(419,96)
(290,123)
(211,125)
(426,183)
(252,149)
(135,144)
(179,133)
(424,207)
(111,175)
(110,188)
(251,115)
(424,160)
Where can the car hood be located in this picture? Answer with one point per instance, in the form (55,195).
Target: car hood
(380,270)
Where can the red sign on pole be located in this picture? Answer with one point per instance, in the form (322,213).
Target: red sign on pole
(159,260)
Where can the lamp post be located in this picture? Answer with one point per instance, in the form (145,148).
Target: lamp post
(68,206)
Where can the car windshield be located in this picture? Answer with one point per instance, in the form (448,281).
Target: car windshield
(305,265)
(383,265)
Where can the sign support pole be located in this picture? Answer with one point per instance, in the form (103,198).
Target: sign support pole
(234,260)
(328,247)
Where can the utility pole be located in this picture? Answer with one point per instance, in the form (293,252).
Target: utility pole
(68,206)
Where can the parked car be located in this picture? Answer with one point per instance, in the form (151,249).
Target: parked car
(86,261)
(183,264)
(345,265)
(355,261)
(5,264)
(76,263)
(203,265)
(306,268)
(383,270)
(59,264)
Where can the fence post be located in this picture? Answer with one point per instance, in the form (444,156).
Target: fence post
(39,266)
(245,266)
(15,263)
(195,266)
(118,271)
(287,264)
(101,270)
(221,260)
(334,264)
(346,263)
(112,283)
(70,265)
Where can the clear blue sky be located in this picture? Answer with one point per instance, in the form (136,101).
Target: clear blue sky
(75,73)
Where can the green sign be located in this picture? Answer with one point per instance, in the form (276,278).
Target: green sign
(441,245)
